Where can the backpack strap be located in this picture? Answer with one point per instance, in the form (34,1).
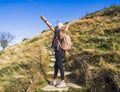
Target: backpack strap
(58,41)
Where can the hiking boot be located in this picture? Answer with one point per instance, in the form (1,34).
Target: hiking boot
(53,83)
(61,85)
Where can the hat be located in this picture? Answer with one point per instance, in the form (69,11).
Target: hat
(60,25)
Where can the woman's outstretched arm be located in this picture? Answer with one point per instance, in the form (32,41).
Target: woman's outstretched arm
(67,26)
(49,24)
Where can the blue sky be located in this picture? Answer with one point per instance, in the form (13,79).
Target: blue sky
(21,17)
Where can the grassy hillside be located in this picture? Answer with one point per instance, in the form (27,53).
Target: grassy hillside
(95,55)
(24,65)
(94,58)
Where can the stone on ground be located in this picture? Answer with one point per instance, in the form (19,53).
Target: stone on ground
(73,85)
(52,72)
(52,88)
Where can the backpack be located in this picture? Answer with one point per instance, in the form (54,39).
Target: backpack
(66,43)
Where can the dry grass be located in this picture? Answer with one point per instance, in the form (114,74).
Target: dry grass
(95,53)
(22,63)
(96,47)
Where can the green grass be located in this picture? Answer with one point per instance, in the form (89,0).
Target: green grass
(95,38)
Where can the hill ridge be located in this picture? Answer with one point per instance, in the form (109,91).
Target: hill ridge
(94,58)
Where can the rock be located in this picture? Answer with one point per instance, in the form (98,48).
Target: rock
(73,85)
(52,59)
(52,72)
(52,88)
(51,64)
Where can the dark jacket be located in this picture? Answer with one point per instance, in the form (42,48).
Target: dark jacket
(55,38)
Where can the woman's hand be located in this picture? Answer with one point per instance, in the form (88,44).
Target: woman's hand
(43,18)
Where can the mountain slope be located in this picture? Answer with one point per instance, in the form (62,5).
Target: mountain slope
(94,58)
(95,55)
(23,65)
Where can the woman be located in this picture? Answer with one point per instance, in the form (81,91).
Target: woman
(59,53)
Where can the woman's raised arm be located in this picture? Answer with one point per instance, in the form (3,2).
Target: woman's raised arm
(67,26)
(49,24)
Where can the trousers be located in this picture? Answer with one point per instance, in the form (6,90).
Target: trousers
(60,57)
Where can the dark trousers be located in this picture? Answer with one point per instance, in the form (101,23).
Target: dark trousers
(59,56)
